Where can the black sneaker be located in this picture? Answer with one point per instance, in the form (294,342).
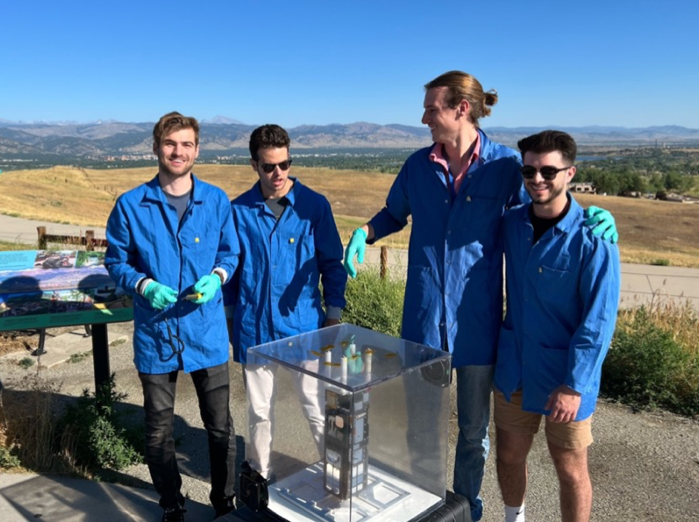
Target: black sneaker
(174,514)
(225,508)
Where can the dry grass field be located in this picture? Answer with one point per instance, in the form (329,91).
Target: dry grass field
(650,231)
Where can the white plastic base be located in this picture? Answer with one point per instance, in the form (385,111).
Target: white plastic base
(385,498)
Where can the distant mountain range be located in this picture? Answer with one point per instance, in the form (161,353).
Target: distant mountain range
(607,135)
(221,135)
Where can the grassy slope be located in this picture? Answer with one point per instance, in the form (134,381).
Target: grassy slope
(649,230)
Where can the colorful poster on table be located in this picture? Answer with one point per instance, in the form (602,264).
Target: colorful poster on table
(51,288)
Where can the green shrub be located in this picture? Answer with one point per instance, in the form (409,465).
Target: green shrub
(649,367)
(25,363)
(8,459)
(79,357)
(94,433)
(375,303)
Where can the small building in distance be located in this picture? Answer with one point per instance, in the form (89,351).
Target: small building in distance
(582,186)
(676,198)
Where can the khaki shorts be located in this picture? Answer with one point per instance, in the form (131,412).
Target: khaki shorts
(509,416)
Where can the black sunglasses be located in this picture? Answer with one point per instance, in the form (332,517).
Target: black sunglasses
(547,172)
(269,167)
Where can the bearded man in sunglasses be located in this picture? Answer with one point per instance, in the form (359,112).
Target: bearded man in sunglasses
(457,191)
(288,244)
(563,287)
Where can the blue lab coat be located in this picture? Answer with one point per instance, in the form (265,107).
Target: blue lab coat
(146,240)
(454,292)
(275,291)
(562,301)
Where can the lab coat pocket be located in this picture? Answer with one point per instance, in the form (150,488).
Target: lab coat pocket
(300,247)
(552,367)
(202,244)
(422,303)
(555,285)
(484,217)
(209,311)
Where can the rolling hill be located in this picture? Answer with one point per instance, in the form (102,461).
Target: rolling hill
(224,135)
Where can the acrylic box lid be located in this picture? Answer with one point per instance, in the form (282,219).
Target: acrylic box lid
(351,357)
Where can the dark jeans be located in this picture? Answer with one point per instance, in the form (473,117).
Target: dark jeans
(212,386)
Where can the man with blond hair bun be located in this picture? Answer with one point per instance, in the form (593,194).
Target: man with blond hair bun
(457,191)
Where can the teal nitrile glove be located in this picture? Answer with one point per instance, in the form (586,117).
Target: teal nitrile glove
(602,223)
(207,286)
(159,296)
(357,245)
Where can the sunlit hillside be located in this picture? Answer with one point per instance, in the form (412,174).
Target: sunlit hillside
(651,231)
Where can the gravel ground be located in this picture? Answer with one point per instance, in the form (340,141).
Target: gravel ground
(644,466)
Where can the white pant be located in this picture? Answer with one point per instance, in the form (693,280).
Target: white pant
(260,388)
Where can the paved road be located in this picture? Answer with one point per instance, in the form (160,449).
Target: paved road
(17,230)
(639,283)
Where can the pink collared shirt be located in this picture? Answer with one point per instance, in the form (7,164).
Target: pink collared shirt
(437,156)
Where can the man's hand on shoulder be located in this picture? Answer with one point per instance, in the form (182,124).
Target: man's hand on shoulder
(564,404)
(602,224)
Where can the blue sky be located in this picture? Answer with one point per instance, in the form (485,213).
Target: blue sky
(632,63)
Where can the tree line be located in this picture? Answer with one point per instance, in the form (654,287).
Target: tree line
(657,172)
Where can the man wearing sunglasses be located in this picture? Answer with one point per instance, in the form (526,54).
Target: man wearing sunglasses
(288,245)
(172,245)
(456,191)
(563,287)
